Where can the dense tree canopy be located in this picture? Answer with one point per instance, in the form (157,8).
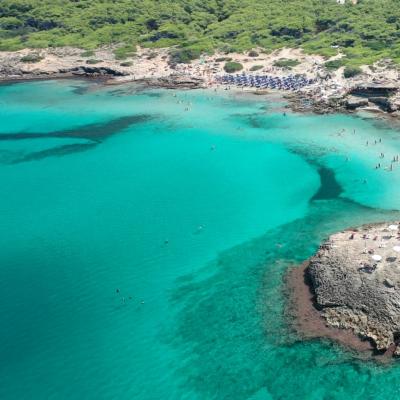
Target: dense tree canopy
(365,32)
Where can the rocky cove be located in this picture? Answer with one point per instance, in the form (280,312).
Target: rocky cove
(349,291)
(375,90)
(373,97)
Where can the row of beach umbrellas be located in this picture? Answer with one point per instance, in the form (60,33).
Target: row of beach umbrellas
(290,82)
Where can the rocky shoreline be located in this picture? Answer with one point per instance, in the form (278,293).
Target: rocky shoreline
(349,291)
(375,90)
(301,101)
(380,98)
(106,75)
(71,63)
(298,102)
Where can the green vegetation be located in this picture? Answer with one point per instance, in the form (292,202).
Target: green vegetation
(364,33)
(232,66)
(256,67)
(92,61)
(123,52)
(253,53)
(31,58)
(222,59)
(350,72)
(185,55)
(87,53)
(286,63)
(126,64)
(334,64)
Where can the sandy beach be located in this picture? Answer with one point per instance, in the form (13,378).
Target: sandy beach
(330,92)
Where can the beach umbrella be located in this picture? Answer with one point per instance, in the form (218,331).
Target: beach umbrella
(376,257)
(396,248)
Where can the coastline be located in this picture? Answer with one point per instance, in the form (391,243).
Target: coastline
(306,320)
(340,295)
(375,90)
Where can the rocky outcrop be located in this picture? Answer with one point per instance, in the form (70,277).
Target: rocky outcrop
(353,102)
(388,104)
(373,95)
(381,101)
(92,71)
(355,276)
(305,102)
(14,72)
(394,104)
(374,90)
(175,82)
(179,81)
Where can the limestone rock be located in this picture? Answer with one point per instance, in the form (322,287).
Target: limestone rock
(375,89)
(354,102)
(356,279)
(174,82)
(394,104)
(381,101)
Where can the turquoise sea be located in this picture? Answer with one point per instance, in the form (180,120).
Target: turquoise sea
(143,246)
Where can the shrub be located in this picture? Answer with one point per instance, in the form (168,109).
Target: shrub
(31,58)
(92,61)
(126,64)
(286,63)
(365,33)
(376,45)
(10,23)
(256,67)
(185,55)
(87,53)
(232,66)
(121,53)
(334,64)
(253,53)
(221,59)
(350,72)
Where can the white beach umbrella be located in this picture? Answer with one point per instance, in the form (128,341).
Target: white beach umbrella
(376,257)
(393,227)
(396,248)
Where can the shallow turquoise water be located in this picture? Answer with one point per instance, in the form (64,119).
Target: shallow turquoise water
(143,246)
